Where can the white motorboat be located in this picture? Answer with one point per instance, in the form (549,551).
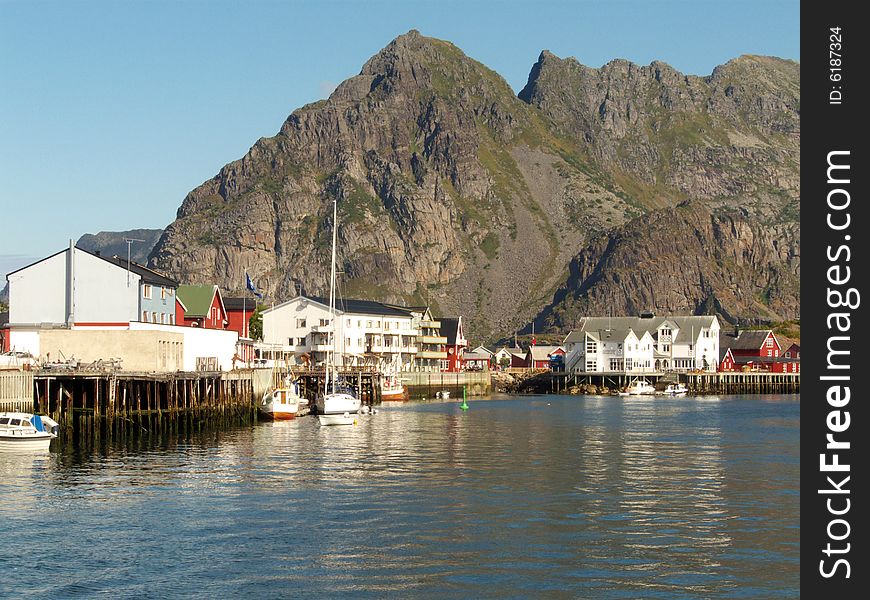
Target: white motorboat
(334,401)
(443,395)
(25,432)
(675,389)
(638,387)
(281,402)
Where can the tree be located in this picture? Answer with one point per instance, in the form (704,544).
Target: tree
(255,324)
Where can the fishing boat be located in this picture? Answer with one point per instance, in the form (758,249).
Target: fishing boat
(25,432)
(335,400)
(392,388)
(639,387)
(675,389)
(281,402)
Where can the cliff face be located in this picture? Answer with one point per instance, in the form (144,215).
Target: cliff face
(452,190)
(685,259)
(111,243)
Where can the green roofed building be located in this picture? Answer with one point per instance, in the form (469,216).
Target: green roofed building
(201,306)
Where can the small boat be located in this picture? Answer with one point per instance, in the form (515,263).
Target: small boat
(281,402)
(443,394)
(343,419)
(675,389)
(392,389)
(26,432)
(639,387)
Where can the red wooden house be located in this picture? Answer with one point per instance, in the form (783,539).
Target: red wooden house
(456,343)
(754,350)
(202,306)
(540,357)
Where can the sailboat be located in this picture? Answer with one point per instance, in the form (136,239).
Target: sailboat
(335,405)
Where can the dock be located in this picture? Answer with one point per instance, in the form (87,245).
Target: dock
(698,383)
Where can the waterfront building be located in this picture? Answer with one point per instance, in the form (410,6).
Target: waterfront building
(431,354)
(754,350)
(77,288)
(542,357)
(476,360)
(644,344)
(793,351)
(455,343)
(201,306)
(367,332)
(239,311)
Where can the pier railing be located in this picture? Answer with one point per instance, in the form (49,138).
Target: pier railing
(16,391)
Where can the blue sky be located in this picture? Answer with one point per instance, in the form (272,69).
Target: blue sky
(111,111)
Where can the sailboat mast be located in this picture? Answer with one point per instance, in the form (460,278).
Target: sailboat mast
(332,291)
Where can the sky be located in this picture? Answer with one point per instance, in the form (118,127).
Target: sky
(112,111)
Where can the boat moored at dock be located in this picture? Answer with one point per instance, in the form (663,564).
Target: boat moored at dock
(639,387)
(281,402)
(25,432)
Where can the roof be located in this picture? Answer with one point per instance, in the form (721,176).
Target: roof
(751,339)
(147,275)
(483,349)
(243,303)
(364,307)
(197,299)
(618,327)
(450,329)
(475,356)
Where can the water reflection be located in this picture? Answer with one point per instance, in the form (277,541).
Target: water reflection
(589,497)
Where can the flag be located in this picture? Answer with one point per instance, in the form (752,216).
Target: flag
(250,286)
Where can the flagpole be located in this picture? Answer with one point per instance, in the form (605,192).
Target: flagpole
(245,307)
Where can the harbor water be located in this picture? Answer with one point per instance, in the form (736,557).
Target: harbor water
(533,496)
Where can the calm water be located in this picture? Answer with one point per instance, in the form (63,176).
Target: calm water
(542,496)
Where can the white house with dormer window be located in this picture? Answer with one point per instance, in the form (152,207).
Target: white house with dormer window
(646,344)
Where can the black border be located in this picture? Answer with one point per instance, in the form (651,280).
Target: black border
(828,127)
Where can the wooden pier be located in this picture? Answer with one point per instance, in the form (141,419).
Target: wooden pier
(95,404)
(698,383)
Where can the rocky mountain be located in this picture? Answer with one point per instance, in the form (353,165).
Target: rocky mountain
(111,243)
(453,190)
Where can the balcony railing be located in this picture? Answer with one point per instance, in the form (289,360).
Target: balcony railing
(431,324)
(432,354)
(431,339)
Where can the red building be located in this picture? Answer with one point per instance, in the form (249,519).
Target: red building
(456,343)
(540,357)
(239,311)
(202,306)
(794,351)
(754,350)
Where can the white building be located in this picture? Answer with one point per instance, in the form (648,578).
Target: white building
(645,344)
(367,332)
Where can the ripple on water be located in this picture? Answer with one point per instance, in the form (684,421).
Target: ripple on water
(518,497)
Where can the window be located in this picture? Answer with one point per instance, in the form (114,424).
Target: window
(591,347)
(591,365)
(347,341)
(324,322)
(368,324)
(300,341)
(146,290)
(144,316)
(153,317)
(172,319)
(666,332)
(629,364)
(163,292)
(769,342)
(300,323)
(770,352)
